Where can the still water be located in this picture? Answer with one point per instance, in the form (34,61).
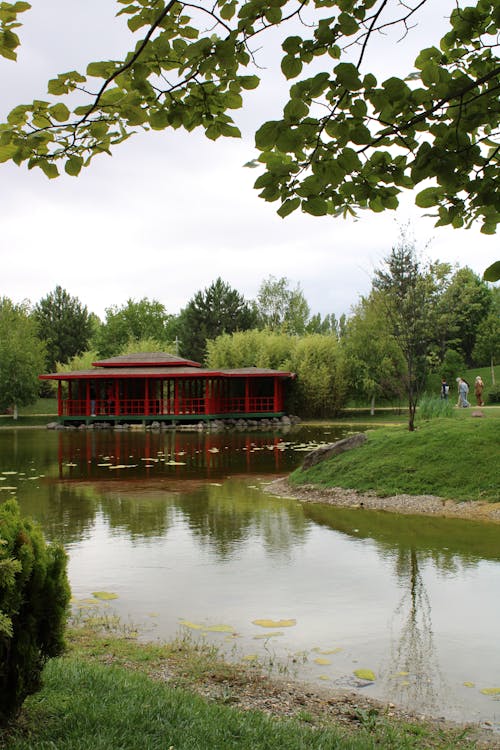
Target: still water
(178,528)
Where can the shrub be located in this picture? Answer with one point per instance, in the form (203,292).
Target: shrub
(34,597)
(433,407)
(494,394)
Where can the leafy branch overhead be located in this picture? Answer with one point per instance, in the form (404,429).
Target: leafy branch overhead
(345,140)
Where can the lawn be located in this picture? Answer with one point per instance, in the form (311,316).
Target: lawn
(455,459)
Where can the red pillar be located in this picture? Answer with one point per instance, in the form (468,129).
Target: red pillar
(146,396)
(247,395)
(59,398)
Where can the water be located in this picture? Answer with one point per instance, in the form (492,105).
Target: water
(178,527)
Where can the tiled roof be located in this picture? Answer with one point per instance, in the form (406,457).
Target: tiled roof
(146,359)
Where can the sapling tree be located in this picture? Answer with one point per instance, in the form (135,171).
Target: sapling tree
(407,290)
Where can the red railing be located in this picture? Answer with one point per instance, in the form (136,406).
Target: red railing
(73,407)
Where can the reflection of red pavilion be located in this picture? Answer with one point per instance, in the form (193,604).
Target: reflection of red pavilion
(157,386)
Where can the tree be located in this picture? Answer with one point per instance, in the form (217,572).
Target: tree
(215,310)
(64,324)
(487,344)
(345,141)
(465,302)
(374,361)
(407,292)
(22,356)
(281,308)
(127,325)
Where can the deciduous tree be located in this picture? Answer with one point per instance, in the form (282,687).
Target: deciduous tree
(281,308)
(133,322)
(22,356)
(345,141)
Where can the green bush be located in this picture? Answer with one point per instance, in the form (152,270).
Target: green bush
(34,597)
(494,394)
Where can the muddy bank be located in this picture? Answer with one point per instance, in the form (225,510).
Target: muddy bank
(409,504)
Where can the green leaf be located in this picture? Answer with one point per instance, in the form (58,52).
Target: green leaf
(73,166)
(7,152)
(159,120)
(249,82)
(288,207)
(492,273)
(59,112)
(428,197)
(291,66)
(348,76)
(266,135)
(49,169)
(315,206)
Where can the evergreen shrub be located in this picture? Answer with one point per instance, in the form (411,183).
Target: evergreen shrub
(34,598)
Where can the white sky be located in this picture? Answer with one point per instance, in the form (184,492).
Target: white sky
(171,211)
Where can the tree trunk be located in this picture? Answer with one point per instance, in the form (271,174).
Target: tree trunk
(372,406)
(15,413)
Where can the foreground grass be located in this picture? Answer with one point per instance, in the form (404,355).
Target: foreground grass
(110,693)
(452,458)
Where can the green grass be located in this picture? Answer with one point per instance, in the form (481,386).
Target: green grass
(452,458)
(104,696)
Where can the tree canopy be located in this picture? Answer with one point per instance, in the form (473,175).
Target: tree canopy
(346,141)
(64,324)
(21,356)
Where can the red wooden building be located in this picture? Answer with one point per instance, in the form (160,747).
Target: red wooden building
(157,386)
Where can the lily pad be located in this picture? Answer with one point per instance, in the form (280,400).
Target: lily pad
(263,636)
(490,691)
(105,595)
(365,674)
(321,660)
(326,651)
(275,623)
(469,684)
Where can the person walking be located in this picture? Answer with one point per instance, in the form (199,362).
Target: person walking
(478,390)
(463,390)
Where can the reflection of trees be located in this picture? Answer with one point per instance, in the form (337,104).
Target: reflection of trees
(413,676)
(64,512)
(223,517)
(141,514)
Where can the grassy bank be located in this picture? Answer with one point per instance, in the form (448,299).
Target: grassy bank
(111,693)
(452,458)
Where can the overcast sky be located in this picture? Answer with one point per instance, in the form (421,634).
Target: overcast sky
(169,212)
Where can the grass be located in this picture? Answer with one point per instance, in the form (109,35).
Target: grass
(109,692)
(451,458)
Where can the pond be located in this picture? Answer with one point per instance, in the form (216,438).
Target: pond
(177,527)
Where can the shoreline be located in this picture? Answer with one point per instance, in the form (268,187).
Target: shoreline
(427,505)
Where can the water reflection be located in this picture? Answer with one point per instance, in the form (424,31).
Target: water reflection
(184,530)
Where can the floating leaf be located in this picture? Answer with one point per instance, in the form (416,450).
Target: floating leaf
(9,472)
(469,684)
(275,623)
(192,625)
(175,463)
(8,488)
(322,661)
(213,450)
(250,657)
(262,636)
(324,677)
(365,674)
(104,595)
(219,629)
(490,691)
(326,651)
